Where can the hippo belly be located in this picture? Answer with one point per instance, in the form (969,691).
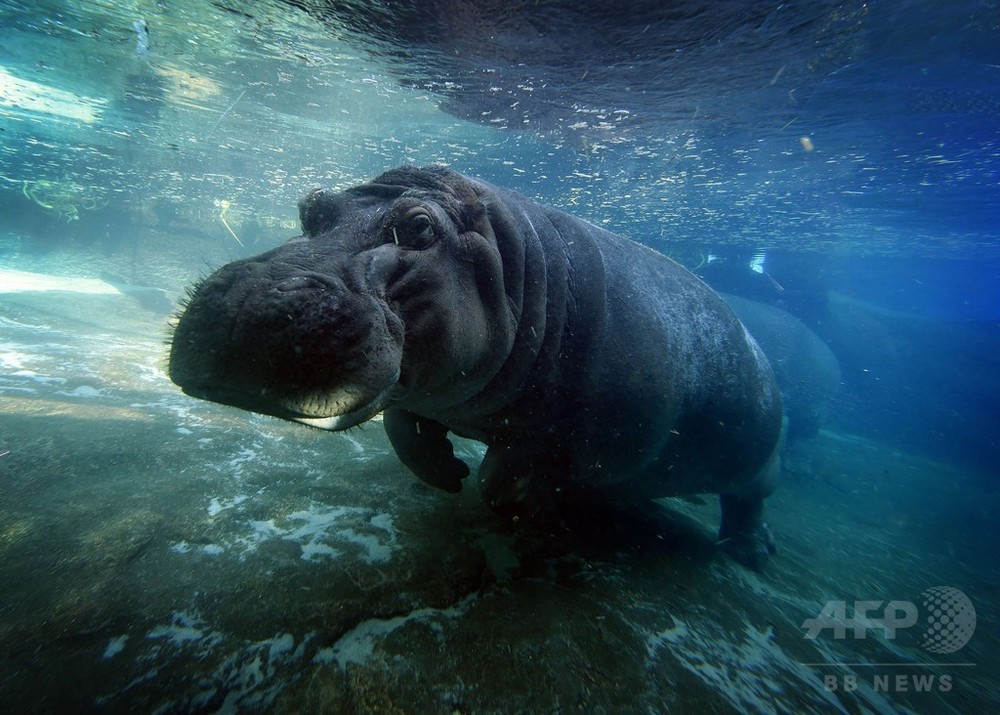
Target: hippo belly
(587,363)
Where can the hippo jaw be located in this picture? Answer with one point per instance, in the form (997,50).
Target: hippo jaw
(334,411)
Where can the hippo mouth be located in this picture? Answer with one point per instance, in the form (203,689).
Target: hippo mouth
(351,418)
(333,411)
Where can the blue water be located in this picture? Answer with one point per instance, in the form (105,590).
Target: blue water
(837,161)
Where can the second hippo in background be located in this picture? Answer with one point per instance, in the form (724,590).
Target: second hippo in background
(806,369)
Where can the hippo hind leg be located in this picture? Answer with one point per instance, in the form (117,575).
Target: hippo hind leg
(744,534)
(521,484)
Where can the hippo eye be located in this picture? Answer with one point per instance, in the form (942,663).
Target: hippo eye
(417,230)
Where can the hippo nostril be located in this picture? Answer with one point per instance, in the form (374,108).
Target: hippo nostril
(298,283)
(310,280)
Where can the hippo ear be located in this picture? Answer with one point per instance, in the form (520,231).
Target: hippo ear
(319,211)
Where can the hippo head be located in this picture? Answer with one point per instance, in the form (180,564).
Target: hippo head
(394,294)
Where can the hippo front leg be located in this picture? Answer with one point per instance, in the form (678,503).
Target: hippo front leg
(423,445)
(744,534)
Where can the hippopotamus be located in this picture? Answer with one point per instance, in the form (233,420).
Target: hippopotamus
(589,365)
(806,369)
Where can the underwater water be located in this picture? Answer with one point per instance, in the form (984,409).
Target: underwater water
(832,168)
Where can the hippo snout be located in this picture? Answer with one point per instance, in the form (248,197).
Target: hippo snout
(270,338)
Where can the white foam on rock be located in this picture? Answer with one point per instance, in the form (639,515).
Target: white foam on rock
(184,627)
(114,647)
(218,505)
(82,391)
(751,675)
(320,530)
(250,676)
(358,644)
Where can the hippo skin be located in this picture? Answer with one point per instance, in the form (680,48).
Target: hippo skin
(589,365)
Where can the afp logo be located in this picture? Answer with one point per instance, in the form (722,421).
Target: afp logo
(951,619)
(947,617)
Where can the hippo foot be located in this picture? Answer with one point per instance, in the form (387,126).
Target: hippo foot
(751,549)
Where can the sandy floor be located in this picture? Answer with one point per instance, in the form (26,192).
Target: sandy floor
(163,554)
